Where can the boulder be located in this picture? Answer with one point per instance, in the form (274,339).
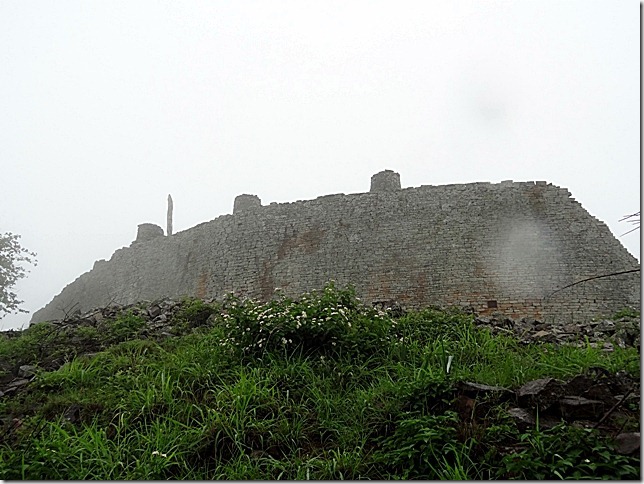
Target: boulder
(628,443)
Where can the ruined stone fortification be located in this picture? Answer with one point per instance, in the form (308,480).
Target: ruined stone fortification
(493,246)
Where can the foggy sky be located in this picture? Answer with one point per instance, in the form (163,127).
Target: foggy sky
(107,107)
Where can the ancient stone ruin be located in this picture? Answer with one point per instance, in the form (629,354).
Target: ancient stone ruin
(494,248)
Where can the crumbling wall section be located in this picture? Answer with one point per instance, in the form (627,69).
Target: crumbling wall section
(503,247)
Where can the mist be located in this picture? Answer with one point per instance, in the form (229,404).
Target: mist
(106,108)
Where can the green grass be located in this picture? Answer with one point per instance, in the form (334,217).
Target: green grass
(319,388)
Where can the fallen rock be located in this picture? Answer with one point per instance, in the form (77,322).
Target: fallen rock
(541,393)
(13,386)
(600,391)
(18,382)
(541,334)
(628,443)
(578,408)
(26,371)
(477,389)
(154,311)
(523,419)
(578,385)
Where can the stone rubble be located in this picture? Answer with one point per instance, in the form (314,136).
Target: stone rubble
(592,400)
(605,333)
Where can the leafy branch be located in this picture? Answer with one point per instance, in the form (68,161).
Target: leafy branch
(12,255)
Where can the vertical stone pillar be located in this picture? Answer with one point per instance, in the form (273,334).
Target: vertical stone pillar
(169,216)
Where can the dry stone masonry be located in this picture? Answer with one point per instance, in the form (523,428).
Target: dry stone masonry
(497,248)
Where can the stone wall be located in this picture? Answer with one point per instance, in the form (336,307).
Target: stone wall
(501,247)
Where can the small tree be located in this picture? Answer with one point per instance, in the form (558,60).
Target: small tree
(12,254)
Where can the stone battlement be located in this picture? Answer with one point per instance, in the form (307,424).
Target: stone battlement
(495,247)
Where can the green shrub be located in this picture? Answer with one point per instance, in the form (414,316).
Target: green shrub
(332,322)
(567,452)
(195,312)
(626,313)
(126,326)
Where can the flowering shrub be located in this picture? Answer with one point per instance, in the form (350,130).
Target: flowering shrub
(330,322)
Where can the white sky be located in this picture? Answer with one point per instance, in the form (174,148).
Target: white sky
(106,107)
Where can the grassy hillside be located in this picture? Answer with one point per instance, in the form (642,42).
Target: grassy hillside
(319,388)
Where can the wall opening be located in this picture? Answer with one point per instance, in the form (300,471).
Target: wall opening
(492,304)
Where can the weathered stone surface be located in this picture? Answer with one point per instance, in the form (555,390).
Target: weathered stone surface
(540,393)
(522,418)
(147,232)
(588,400)
(385,181)
(169,216)
(601,392)
(154,311)
(245,203)
(490,247)
(577,334)
(26,371)
(15,384)
(479,389)
(576,408)
(628,443)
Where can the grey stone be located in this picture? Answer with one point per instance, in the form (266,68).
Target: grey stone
(161,318)
(246,203)
(154,311)
(385,181)
(476,389)
(16,383)
(169,216)
(26,371)
(522,418)
(600,391)
(578,385)
(628,443)
(541,393)
(147,232)
(577,408)
(541,334)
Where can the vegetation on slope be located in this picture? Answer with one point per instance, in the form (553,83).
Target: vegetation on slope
(319,388)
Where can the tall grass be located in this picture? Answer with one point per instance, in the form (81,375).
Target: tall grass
(318,388)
